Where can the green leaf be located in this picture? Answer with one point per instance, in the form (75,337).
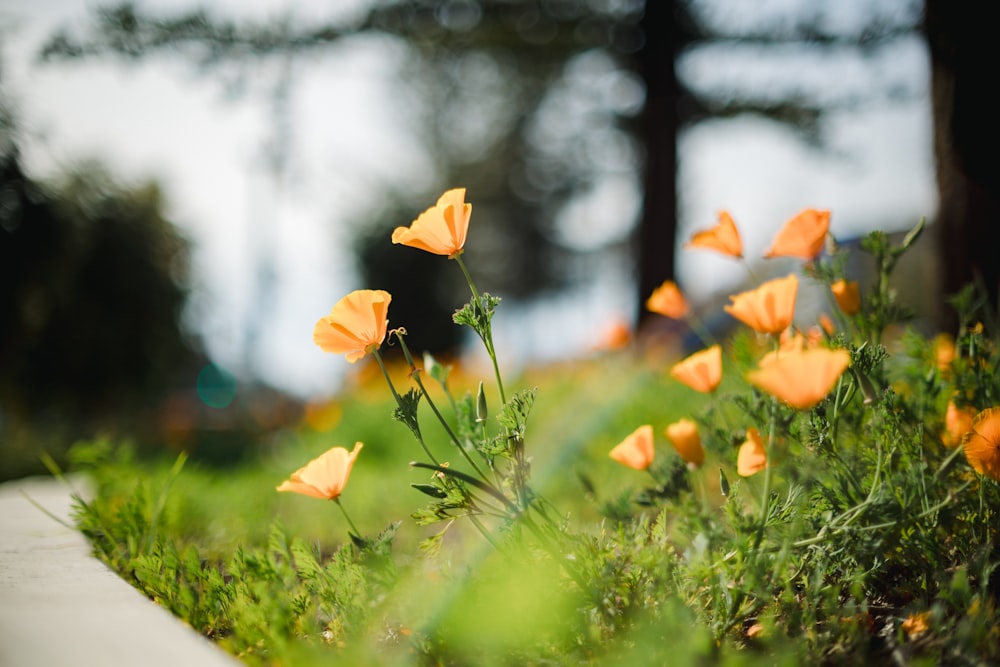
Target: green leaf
(430,490)
(406,411)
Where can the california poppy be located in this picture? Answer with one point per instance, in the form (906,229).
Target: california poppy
(356,325)
(752,457)
(801,378)
(916,624)
(702,371)
(636,451)
(802,236)
(847,295)
(668,301)
(440,229)
(724,237)
(957,422)
(944,351)
(684,436)
(769,308)
(325,476)
(982,443)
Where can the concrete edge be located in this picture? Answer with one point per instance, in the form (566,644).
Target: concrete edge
(61,606)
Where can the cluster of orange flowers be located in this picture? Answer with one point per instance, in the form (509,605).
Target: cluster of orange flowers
(358,323)
(800,372)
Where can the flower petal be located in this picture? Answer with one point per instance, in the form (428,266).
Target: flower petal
(356,323)
(683,434)
(723,238)
(752,457)
(803,236)
(769,308)
(801,378)
(667,300)
(636,451)
(702,371)
(441,229)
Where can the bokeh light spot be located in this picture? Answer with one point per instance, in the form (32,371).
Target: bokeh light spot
(216,386)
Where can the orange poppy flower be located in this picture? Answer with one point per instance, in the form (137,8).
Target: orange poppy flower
(440,229)
(982,443)
(684,436)
(827,324)
(769,308)
(752,457)
(667,300)
(944,351)
(801,378)
(636,451)
(957,422)
(702,371)
(724,237)
(848,296)
(802,236)
(356,325)
(616,337)
(325,476)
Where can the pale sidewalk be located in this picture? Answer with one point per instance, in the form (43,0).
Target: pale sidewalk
(60,606)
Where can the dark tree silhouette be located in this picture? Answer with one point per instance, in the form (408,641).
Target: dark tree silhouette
(966,145)
(520,183)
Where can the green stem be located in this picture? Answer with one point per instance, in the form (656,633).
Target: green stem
(399,402)
(347,516)
(415,374)
(765,504)
(487,334)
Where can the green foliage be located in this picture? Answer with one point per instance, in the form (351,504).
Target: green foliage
(865,540)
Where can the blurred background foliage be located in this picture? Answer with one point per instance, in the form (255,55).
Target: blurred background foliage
(539,107)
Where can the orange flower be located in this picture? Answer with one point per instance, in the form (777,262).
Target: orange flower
(724,237)
(752,457)
(802,236)
(636,451)
(440,229)
(616,337)
(982,443)
(944,351)
(356,325)
(848,296)
(667,300)
(769,308)
(801,378)
(827,324)
(325,476)
(702,371)
(957,422)
(916,624)
(684,436)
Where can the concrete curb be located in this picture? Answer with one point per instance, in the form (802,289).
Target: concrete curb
(61,606)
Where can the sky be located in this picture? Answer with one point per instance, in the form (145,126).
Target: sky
(146,121)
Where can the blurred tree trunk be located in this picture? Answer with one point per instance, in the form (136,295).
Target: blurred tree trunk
(657,233)
(966,145)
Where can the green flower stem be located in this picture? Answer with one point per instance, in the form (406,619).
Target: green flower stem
(487,334)
(765,503)
(347,516)
(399,401)
(415,374)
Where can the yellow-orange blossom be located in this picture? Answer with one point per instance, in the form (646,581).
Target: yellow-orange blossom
(356,325)
(442,228)
(325,476)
